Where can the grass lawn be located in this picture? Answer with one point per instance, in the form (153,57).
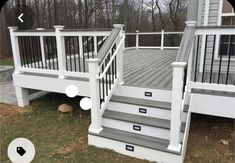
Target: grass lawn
(63,137)
(6,62)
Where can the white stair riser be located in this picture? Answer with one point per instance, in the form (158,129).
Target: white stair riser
(135,109)
(137,92)
(145,130)
(139,151)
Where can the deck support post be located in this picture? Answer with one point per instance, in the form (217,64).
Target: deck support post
(120,54)
(137,40)
(162,40)
(42,47)
(60,44)
(176,106)
(94,70)
(15,49)
(22,96)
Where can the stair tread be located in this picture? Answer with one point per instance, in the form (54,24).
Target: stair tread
(142,120)
(135,139)
(144,102)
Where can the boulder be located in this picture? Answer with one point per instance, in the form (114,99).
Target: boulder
(65,108)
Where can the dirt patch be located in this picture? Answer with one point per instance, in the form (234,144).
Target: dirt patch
(211,139)
(8,112)
(76,145)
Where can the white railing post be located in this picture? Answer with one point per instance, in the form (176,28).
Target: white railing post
(176,106)
(80,45)
(95,45)
(94,70)
(137,39)
(162,40)
(120,54)
(42,48)
(15,48)
(60,44)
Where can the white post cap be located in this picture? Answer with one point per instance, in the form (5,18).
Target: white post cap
(40,28)
(191,23)
(13,28)
(58,26)
(118,25)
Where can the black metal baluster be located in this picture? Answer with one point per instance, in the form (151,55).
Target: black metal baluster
(75,66)
(204,61)
(103,83)
(22,58)
(32,52)
(38,50)
(101,100)
(229,56)
(113,71)
(92,46)
(115,66)
(109,78)
(212,58)
(84,63)
(24,50)
(79,62)
(87,47)
(106,74)
(220,60)
(196,62)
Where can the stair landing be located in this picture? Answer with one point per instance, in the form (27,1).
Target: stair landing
(149,68)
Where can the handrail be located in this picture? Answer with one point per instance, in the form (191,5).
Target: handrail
(186,44)
(228,30)
(108,44)
(112,58)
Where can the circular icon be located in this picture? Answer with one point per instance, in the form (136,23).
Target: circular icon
(86,103)
(71,91)
(21,150)
(21,16)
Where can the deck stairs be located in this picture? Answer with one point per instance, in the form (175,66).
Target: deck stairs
(137,125)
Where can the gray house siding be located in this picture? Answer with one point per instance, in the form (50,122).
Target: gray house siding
(212,21)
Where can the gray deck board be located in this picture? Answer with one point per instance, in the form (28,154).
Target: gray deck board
(149,68)
(142,102)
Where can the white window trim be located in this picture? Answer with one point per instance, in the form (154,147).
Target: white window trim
(219,23)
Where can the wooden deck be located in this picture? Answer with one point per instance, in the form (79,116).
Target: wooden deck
(149,68)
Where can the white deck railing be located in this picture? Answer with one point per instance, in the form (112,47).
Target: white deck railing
(48,52)
(105,73)
(197,54)
(153,40)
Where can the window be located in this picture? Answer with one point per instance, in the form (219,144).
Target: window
(227,42)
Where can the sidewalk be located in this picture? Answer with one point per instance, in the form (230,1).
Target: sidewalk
(7,93)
